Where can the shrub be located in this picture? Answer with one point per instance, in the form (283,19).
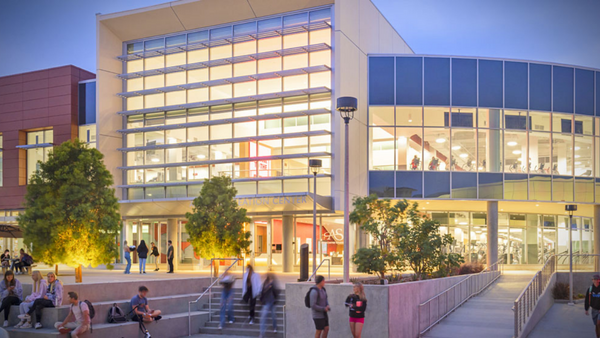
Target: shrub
(468,268)
(560,291)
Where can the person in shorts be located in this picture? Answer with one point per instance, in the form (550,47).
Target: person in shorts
(592,299)
(319,307)
(357,302)
(80,312)
(141,310)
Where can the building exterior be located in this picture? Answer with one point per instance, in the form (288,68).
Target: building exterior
(37,110)
(243,89)
(493,149)
(515,140)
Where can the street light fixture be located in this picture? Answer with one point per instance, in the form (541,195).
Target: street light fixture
(347,105)
(314,166)
(571,208)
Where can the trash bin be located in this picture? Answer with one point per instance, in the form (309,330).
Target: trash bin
(303,263)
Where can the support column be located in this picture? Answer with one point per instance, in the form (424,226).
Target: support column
(287,231)
(597,236)
(172,234)
(253,244)
(269,244)
(492,232)
(123,238)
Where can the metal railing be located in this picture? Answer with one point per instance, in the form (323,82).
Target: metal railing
(526,302)
(318,267)
(450,299)
(209,290)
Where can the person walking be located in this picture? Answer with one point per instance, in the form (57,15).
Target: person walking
(155,254)
(592,300)
(142,251)
(38,290)
(357,302)
(11,292)
(226,299)
(268,297)
(251,290)
(127,254)
(170,256)
(319,306)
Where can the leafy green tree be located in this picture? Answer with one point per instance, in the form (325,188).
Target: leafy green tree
(71,213)
(216,223)
(382,220)
(423,246)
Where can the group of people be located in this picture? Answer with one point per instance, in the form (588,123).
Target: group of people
(253,291)
(319,305)
(143,252)
(17,264)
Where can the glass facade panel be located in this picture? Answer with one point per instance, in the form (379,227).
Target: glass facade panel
(515,85)
(381,147)
(436,150)
(408,149)
(409,116)
(437,185)
(490,83)
(540,188)
(464,185)
(464,150)
(490,186)
(540,155)
(562,86)
(381,183)
(562,154)
(540,87)
(381,115)
(409,184)
(584,92)
(437,81)
(489,150)
(562,189)
(409,83)
(515,186)
(464,82)
(515,152)
(437,117)
(381,80)
(584,190)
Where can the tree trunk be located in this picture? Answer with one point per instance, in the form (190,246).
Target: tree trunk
(56,270)
(216,264)
(79,274)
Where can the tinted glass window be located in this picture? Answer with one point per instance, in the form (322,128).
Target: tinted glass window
(584,92)
(584,190)
(562,84)
(464,185)
(408,184)
(490,186)
(87,103)
(562,188)
(515,85)
(597,93)
(381,80)
(437,185)
(437,81)
(381,183)
(490,83)
(539,87)
(197,37)
(464,82)
(409,82)
(540,187)
(515,187)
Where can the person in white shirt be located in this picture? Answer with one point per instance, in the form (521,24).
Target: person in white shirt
(80,312)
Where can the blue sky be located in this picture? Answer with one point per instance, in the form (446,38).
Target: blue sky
(37,34)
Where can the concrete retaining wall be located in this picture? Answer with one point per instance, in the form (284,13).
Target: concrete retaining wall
(543,305)
(581,281)
(391,309)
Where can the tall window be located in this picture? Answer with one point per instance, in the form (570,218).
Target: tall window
(40,143)
(87,134)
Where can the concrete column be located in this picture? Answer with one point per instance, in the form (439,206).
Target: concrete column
(123,238)
(253,244)
(597,235)
(492,232)
(269,247)
(287,231)
(172,234)
(494,140)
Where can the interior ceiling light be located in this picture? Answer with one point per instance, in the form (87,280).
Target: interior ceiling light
(516,152)
(154,159)
(464,155)
(577,156)
(577,148)
(440,140)
(455,147)
(577,163)
(512,143)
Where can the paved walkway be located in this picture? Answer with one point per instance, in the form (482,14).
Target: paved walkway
(487,315)
(564,321)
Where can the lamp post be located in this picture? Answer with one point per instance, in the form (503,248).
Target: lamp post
(570,208)
(314,166)
(346,105)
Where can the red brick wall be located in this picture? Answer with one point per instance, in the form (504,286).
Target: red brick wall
(29,101)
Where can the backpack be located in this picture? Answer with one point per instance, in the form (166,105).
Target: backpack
(91,311)
(116,315)
(28,259)
(307,297)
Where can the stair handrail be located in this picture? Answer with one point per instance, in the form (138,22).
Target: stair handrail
(209,291)
(527,300)
(474,285)
(318,267)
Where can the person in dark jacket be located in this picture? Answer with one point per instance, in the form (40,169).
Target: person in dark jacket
(592,299)
(268,296)
(11,293)
(142,250)
(155,254)
(170,256)
(357,302)
(319,306)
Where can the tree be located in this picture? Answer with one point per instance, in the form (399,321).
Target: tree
(216,223)
(380,219)
(423,247)
(71,213)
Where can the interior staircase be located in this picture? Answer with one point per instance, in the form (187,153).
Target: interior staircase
(241,326)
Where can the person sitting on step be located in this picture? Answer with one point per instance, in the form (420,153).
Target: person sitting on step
(38,290)
(52,298)
(78,311)
(141,310)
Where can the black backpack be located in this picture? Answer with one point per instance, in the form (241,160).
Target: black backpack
(116,315)
(307,297)
(92,312)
